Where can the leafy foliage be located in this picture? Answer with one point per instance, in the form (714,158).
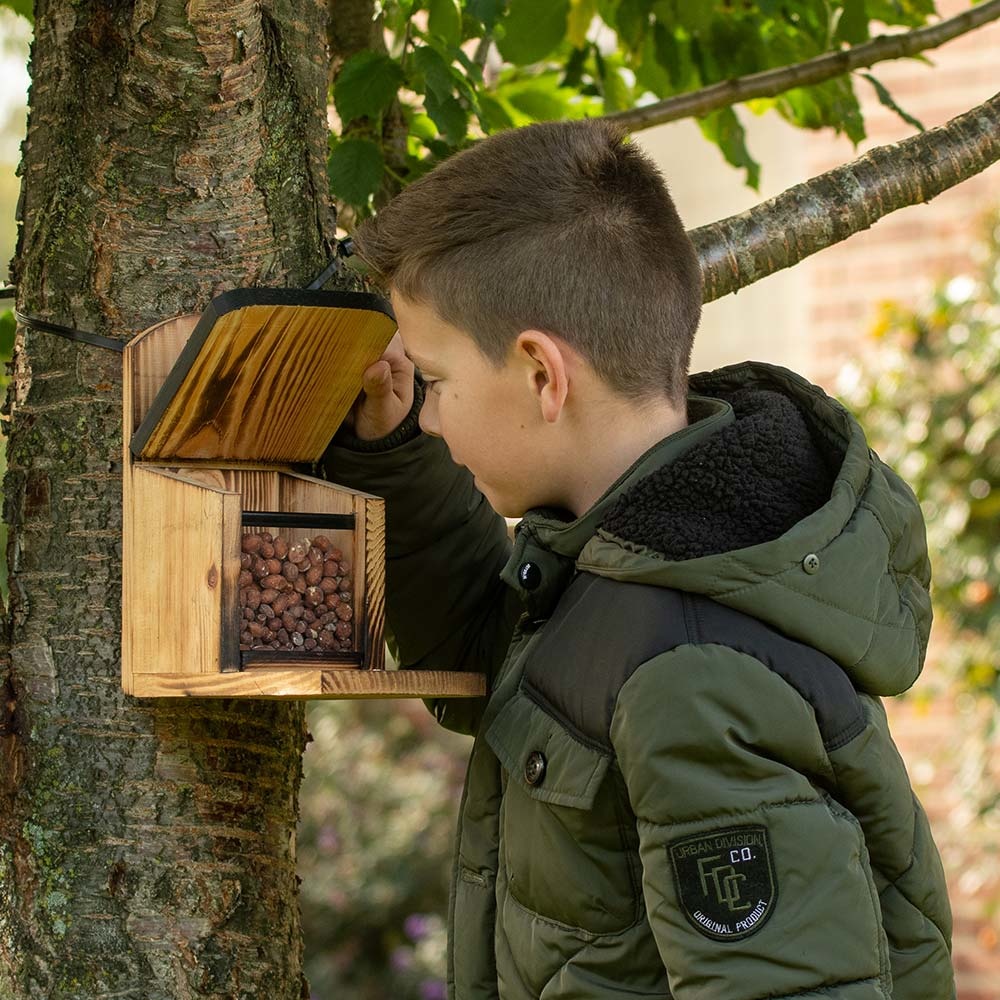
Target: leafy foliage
(930,401)
(461,69)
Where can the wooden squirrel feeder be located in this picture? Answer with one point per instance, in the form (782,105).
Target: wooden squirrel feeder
(218,409)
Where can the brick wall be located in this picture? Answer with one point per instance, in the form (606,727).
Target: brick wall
(904,254)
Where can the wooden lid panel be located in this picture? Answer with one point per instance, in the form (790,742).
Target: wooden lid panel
(267,375)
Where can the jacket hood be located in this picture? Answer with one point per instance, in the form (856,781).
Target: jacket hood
(784,513)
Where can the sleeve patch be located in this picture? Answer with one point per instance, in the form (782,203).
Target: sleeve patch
(725,881)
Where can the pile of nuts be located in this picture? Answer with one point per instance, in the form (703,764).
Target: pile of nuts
(295,596)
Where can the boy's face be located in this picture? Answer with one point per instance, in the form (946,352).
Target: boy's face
(485,415)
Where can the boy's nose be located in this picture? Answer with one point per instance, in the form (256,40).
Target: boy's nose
(428,417)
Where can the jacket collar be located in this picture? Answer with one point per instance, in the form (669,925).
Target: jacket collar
(548,542)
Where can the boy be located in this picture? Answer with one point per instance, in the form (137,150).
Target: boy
(682,784)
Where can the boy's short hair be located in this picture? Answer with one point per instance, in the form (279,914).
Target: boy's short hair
(563,227)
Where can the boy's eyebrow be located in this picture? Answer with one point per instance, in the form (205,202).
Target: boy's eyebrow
(420,362)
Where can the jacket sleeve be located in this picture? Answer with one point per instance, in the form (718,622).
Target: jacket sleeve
(756,881)
(446,607)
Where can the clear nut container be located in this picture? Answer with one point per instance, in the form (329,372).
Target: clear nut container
(296,589)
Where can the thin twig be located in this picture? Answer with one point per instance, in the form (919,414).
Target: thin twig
(777,81)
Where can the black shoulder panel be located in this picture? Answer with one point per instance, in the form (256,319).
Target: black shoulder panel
(604,630)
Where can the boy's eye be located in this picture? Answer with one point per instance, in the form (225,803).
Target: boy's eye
(432,384)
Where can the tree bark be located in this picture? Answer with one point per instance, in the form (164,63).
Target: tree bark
(811,216)
(175,149)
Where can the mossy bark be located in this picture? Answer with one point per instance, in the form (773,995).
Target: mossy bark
(175,149)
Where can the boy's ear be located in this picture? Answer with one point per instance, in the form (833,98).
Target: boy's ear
(547,362)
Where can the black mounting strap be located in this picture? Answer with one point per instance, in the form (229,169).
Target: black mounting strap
(69,333)
(345,248)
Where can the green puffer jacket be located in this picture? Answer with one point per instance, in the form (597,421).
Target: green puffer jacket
(682,783)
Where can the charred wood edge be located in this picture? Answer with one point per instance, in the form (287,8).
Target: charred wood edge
(227,302)
(345,248)
(293,519)
(776,81)
(811,216)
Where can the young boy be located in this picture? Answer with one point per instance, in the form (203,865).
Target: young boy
(682,783)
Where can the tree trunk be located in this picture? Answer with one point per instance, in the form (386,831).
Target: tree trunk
(175,149)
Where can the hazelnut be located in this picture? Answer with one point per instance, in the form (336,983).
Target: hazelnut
(251,543)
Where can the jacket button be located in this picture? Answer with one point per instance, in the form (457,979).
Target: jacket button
(811,563)
(534,767)
(529,575)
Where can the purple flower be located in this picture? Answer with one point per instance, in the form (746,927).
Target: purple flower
(433,989)
(401,959)
(416,926)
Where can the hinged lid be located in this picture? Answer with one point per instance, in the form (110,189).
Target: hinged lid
(267,375)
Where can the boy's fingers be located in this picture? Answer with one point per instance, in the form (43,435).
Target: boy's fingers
(377,379)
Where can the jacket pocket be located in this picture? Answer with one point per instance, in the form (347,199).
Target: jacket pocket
(568,854)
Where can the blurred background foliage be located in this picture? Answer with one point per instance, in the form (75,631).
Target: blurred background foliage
(928,395)
(378,811)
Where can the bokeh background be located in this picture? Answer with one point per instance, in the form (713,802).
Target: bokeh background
(903,323)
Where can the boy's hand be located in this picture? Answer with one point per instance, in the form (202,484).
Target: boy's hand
(387,395)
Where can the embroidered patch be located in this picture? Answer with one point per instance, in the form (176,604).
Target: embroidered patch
(725,881)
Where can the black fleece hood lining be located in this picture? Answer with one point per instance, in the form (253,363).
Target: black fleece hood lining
(749,483)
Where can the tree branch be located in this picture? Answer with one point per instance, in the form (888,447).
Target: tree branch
(811,216)
(824,67)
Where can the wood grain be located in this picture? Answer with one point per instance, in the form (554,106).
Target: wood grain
(270,384)
(150,356)
(308,682)
(373,521)
(180,555)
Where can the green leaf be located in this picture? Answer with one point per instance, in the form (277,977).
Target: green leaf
(651,74)
(887,100)
(532,30)
(449,116)
(832,103)
(853,24)
(366,86)
(696,17)
(444,19)
(632,20)
(436,73)
(573,73)
(581,13)
(675,57)
(724,129)
(23,7)
(486,11)
(7,330)
(617,93)
(494,116)
(912,13)
(421,126)
(539,98)
(355,170)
